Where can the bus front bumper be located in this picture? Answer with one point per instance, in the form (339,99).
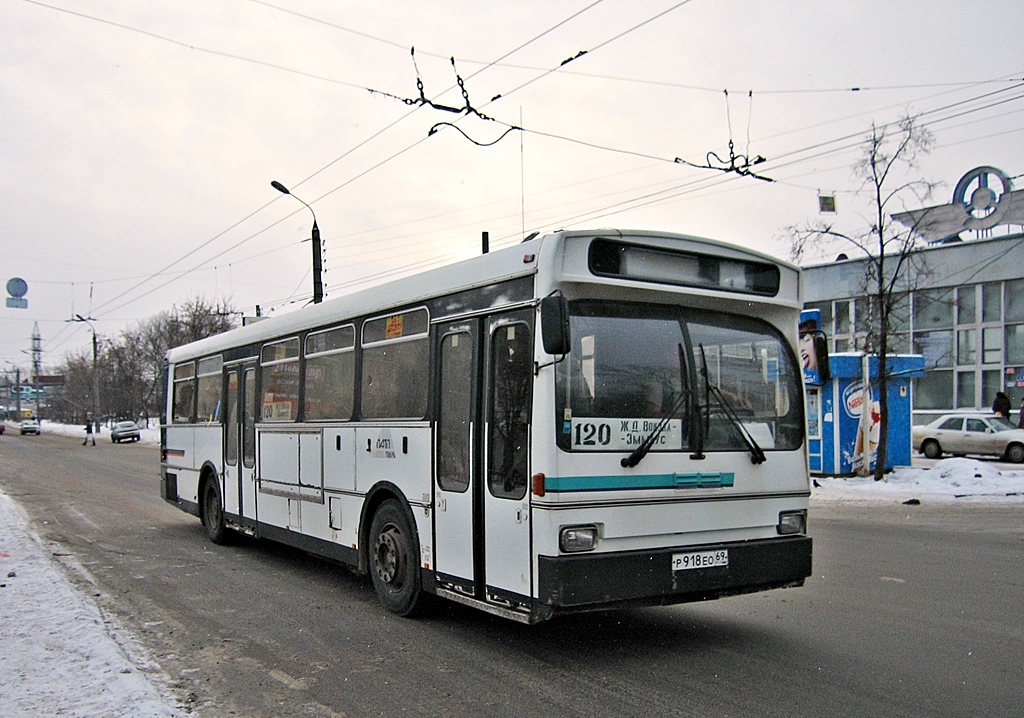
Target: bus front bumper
(592,581)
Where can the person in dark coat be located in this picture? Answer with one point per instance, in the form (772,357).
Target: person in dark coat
(88,433)
(1001,405)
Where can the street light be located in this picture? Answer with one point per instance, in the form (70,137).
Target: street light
(318,286)
(95,363)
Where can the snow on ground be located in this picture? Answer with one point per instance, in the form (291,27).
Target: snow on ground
(148,435)
(948,480)
(59,656)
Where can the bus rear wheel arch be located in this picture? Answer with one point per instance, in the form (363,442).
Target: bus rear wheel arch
(394,558)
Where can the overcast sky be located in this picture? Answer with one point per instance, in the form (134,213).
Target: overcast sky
(138,139)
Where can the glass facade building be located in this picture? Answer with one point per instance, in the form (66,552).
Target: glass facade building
(963,310)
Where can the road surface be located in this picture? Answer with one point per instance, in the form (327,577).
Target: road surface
(912,611)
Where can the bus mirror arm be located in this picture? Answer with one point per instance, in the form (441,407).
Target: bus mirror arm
(537,366)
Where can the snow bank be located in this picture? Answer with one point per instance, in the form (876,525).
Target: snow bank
(57,656)
(960,480)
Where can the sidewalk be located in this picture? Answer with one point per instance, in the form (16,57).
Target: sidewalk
(59,655)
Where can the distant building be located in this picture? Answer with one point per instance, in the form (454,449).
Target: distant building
(964,311)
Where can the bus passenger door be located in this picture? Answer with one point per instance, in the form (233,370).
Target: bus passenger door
(457,486)
(239,442)
(507,407)
(247,428)
(232,495)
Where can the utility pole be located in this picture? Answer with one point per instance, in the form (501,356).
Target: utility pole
(37,355)
(95,367)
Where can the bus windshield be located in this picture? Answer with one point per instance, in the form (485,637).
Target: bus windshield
(719,379)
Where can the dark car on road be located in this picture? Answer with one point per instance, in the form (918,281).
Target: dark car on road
(124,431)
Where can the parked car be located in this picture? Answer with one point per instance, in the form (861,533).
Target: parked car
(124,431)
(961,434)
(30,426)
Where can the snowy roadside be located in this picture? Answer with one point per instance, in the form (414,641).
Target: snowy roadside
(951,480)
(58,653)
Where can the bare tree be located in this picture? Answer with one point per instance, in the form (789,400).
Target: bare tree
(131,366)
(889,153)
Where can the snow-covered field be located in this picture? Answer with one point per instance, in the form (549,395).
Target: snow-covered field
(59,655)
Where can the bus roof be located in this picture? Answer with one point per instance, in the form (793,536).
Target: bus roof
(519,260)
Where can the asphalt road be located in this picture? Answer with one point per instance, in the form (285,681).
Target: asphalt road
(912,611)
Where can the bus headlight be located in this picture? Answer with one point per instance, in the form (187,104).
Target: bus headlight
(574,539)
(792,522)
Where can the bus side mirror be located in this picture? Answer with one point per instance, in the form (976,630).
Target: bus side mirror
(554,324)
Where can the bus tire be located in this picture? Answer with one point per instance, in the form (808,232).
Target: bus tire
(393,559)
(213,512)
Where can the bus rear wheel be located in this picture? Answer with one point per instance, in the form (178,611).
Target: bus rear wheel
(393,559)
(213,512)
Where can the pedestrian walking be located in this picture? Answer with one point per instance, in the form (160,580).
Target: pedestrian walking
(89,436)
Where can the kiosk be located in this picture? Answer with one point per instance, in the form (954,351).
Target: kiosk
(843,425)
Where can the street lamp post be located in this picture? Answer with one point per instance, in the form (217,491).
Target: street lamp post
(318,286)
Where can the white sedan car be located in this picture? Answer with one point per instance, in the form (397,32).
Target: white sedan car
(961,434)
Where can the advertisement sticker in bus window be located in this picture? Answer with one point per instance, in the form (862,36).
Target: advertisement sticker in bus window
(394,327)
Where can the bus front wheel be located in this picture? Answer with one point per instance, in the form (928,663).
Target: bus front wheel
(393,560)
(213,512)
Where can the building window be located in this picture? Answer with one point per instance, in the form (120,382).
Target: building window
(991,382)
(992,345)
(991,302)
(933,309)
(933,390)
(966,346)
(1015,344)
(1014,301)
(842,318)
(935,347)
(965,390)
(966,305)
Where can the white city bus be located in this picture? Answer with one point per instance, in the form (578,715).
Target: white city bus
(583,421)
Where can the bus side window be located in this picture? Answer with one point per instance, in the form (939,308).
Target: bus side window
(511,375)
(396,361)
(184,393)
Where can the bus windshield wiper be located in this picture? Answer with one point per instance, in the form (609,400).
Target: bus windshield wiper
(756,452)
(642,450)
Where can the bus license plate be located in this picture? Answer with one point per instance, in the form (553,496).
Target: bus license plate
(700,559)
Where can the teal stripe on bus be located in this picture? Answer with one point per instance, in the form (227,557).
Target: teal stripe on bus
(709,480)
